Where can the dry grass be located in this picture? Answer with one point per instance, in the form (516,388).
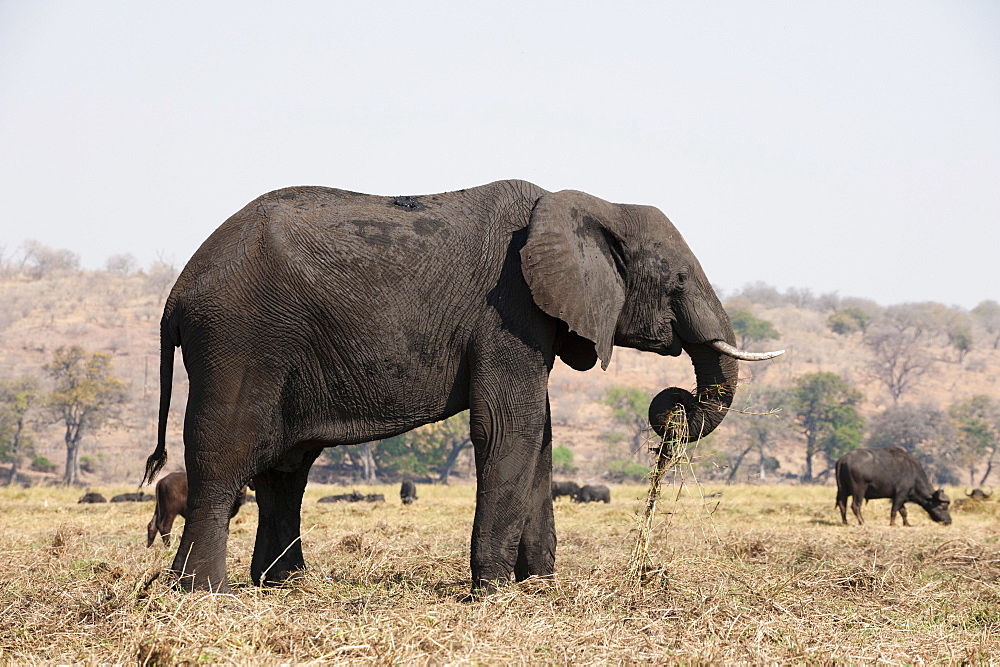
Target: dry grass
(758,574)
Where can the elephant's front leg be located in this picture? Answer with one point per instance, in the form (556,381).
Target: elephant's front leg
(536,554)
(277,552)
(513,525)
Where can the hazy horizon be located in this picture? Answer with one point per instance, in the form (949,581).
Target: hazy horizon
(850,148)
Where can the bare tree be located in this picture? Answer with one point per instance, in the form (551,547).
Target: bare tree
(760,426)
(40,260)
(987,314)
(925,431)
(123,264)
(898,342)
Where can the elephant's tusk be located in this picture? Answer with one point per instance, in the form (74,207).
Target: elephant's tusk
(736,353)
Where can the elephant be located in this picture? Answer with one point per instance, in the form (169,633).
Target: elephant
(593,493)
(172,501)
(316,317)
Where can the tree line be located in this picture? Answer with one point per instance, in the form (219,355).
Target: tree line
(821,410)
(904,343)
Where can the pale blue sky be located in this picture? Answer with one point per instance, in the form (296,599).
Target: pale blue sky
(849,146)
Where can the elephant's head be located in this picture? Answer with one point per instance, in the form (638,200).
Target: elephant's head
(619,274)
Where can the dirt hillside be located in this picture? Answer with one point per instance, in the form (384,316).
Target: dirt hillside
(118,312)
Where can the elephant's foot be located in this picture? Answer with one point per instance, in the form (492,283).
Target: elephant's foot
(278,575)
(200,561)
(538,565)
(199,575)
(274,567)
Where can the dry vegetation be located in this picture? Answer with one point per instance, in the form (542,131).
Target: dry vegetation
(763,574)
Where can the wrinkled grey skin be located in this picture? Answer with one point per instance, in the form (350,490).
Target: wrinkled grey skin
(317,317)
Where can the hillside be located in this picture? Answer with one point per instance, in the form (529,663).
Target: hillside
(117,311)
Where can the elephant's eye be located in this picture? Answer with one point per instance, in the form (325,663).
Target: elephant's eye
(682,277)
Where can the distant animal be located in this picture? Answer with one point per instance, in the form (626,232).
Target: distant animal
(565,489)
(92,498)
(592,493)
(133,498)
(407,491)
(171,502)
(979,494)
(887,473)
(353,497)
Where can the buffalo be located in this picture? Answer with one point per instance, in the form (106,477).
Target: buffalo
(171,502)
(887,473)
(592,493)
(133,498)
(92,497)
(979,494)
(565,489)
(407,492)
(353,497)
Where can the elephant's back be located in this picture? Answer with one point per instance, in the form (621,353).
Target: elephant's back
(389,244)
(352,256)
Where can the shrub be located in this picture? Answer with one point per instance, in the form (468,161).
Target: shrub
(627,471)
(848,320)
(42,464)
(562,460)
(91,463)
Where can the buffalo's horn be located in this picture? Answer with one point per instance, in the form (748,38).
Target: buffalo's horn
(736,353)
(967,492)
(988,494)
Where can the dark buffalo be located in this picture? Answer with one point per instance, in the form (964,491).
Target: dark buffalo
(353,497)
(887,473)
(565,489)
(407,491)
(979,494)
(132,498)
(92,498)
(592,493)
(171,502)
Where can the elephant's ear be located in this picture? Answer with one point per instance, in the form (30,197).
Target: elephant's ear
(573,263)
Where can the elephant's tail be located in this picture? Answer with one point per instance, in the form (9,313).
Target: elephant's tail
(158,458)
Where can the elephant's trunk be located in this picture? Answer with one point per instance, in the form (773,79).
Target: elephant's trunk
(716,375)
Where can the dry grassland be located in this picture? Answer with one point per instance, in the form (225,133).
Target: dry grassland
(756,574)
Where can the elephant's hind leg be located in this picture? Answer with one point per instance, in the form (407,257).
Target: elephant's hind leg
(277,553)
(200,562)
(217,455)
